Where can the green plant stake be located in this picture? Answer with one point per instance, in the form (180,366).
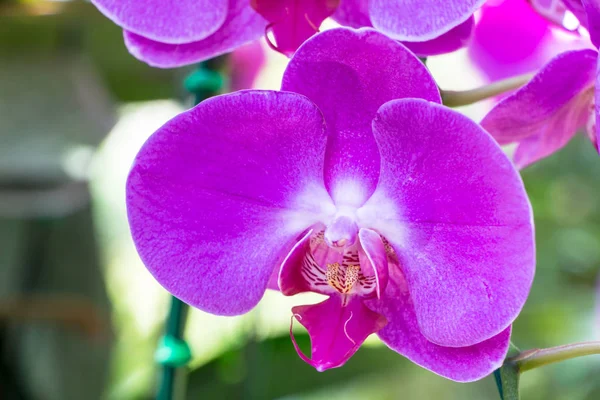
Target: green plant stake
(173,352)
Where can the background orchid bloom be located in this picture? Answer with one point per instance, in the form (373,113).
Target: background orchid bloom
(245,64)
(560,100)
(545,114)
(353,182)
(513,37)
(452,29)
(171,33)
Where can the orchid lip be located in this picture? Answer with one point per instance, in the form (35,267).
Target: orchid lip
(335,270)
(349,275)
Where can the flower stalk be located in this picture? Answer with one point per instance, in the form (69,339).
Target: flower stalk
(508,376)
(452,98)
(535,358)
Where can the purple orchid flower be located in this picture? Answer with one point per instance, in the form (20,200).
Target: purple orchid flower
(171,33)
(513,37)
(559,101)
(353,182)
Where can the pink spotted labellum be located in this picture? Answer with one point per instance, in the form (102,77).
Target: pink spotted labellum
(171,33)
(354,182)
(560,100)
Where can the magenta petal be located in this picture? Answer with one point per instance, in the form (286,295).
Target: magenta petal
(544,114)
(273,283)
(450,41)
(377,69)
(377,264)
(292,22)
(588,14)
(592,9)
(242,25)
(336,331)
(290,279)
(353,13)
(456,213)
(402,334)
(420,20)
(578,9)
(553,10)
(218,196)
(167,21)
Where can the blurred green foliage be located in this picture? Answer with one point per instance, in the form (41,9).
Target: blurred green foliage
(78,27)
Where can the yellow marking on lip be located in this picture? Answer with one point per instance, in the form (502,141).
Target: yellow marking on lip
(342,280)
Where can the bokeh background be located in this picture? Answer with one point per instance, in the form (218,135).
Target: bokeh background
(79,314)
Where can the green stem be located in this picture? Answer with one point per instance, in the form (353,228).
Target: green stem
(453,98)
(539,357)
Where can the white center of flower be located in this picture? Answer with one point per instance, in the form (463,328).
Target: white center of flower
(341,232)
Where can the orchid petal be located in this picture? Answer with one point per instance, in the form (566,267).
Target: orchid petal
(292,22)
(544,114)
(242,25)
(553,10)
(377,69)
(402,334)
(456,213)
(587,13)
(592,9)
(454,39)
(578,9)
(273,283)
(217,197)
(167,21)
(377,263)
(336,330)
(353,13)
(290,278)
(419,20)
